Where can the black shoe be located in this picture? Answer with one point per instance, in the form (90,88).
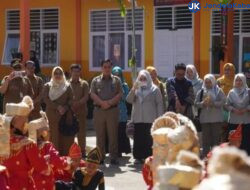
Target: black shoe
(114,162)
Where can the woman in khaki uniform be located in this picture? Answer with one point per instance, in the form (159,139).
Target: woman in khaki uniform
(57,96)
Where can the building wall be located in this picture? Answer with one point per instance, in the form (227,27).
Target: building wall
(148,31)
(67,30)
(205,39)
(5,4)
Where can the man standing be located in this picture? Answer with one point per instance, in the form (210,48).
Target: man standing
(37,86)
(80,89)
(180,92)
(106,92)
(15,86)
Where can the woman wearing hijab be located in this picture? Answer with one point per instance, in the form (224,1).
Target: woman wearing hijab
(57,96)
(226,81)
(123,140)
(197,82)
(193,76)
(226,84)
(210,99)
(153,73)
(147,105)
(238,107)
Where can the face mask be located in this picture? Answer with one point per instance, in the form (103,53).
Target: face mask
(144,84)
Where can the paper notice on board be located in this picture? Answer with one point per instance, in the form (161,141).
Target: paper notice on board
(117,50)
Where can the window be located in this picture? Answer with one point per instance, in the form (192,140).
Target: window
(44,33)
(111,37)
(173,18)
(44,27)
(241,27)
(12,41)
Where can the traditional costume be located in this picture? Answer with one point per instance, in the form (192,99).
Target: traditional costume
(147,172)
(48,151)
(86,178)
(235,138)
(74,154)
(229,169)
(171,167)
(3,178)
(22,157)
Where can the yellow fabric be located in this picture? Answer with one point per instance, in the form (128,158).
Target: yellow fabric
(150,69)
(226,82)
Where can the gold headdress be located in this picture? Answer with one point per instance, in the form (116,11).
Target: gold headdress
(38,124)
(20,109)
(94,156)
(5,123)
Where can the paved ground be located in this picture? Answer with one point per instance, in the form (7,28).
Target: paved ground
(126,176)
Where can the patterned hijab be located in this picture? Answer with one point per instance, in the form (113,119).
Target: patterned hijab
(238,95)
(57,88)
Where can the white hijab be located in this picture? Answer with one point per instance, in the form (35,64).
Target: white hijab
(57,88)
(214,91)
(142,92)
(238,95)
(195,73)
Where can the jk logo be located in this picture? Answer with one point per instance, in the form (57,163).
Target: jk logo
(194,6)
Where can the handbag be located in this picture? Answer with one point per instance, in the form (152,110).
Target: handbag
(130,129)
(196,120)
(68,124)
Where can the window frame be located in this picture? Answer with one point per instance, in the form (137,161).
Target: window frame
(5,44)
(240,35)
(42,31)
(107,32)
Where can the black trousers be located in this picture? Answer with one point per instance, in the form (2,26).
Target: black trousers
(123,140)
(142,141)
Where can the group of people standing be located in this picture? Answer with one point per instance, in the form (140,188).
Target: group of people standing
(61,97)
(220,105)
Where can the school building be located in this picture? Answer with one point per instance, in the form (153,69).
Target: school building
(62,32)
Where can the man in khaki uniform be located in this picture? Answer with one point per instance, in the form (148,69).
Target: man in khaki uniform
(15,86)
(106,92)
(80,90)
(37,86)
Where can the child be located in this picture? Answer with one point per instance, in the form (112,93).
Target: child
(86,178)
(39,131)
(75,159)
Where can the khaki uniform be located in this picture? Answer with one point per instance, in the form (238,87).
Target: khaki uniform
(61,142)
(17,89)
(80,90)
(37,86)
(106,121)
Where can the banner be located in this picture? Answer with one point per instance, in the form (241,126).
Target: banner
(170,2)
